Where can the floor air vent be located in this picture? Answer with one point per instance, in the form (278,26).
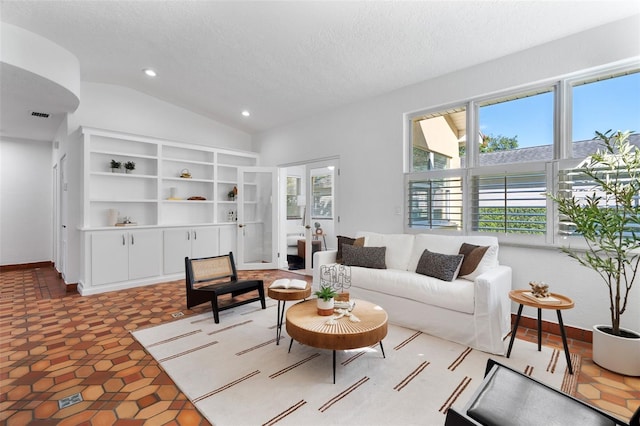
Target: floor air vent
(70,400)
(39,114)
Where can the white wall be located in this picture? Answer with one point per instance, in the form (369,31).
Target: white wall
(122,109)
(25,201)
(368,138)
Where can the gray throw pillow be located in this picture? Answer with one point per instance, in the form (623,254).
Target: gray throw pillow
(366,257)
(445,267)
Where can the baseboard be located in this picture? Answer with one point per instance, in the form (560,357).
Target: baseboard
(17,267)
(553,328)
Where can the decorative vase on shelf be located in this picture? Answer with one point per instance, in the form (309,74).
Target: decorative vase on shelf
(112,217)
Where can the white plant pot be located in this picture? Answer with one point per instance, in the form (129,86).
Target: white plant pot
(618,354)
(325,308)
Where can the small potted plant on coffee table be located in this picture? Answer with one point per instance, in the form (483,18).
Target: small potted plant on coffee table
(325,297)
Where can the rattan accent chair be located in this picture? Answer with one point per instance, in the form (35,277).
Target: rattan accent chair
(211,277)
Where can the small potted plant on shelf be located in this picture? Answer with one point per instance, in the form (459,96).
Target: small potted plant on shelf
(325,296)
(115,166)
(608,221)
(129,166)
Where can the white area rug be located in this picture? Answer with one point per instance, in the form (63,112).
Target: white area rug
(235,374)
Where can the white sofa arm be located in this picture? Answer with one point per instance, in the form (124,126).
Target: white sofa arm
(492,306)
(320,258)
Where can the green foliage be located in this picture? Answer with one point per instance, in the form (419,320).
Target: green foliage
(326,293)
(115,164)
(521,220)
(609,218)
(130,165)
(492,143)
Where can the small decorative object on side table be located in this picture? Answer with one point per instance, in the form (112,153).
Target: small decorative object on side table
(339,278)
(551,301)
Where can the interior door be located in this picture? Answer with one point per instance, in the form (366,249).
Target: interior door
(257,214)
(321,218)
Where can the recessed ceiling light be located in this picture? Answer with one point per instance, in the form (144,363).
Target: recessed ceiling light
(246,113)
(149,72)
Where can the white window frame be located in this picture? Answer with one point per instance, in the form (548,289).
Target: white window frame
(562,153)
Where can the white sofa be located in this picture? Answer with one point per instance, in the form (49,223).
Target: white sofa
(474,311)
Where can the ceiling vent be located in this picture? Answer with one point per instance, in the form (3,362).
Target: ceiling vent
(39,114)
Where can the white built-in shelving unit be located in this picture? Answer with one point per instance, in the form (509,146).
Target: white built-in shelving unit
(155,196)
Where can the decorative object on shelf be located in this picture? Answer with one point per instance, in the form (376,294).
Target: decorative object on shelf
(233,194)
(197,198)
(231,216)
(185,174)
(606,220)
(325,302)
(318,228)
(539,289)
(115,166)
(129,166)
(127,221)
(112,217)
(173,193)
(337,277)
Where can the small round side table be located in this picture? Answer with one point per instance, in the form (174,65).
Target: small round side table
(284,294)
(563,303)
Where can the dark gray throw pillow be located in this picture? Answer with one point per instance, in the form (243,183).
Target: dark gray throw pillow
(366,257)
(445,267)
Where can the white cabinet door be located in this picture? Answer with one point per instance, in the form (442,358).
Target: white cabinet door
(144,254)
(204,242)
(109,257)
(228,240)
(177,246)
(188,242)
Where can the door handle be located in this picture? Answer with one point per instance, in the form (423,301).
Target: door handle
(307,227)
(195,235)
(132,240)
(240,226)
(124,241)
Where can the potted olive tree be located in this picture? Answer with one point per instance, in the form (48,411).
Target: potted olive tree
(609,221)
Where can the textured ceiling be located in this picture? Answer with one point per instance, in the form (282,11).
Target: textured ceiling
(287,60)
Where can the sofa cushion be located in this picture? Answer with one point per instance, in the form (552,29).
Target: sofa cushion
(488,261)
(349,241)
(366,257)
(457,295)
(473,254)
(398,246)
(437,265)
(450,244)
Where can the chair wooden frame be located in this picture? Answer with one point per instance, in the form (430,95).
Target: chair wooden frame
(210,277)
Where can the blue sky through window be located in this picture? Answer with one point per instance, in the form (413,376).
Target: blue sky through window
(603,105)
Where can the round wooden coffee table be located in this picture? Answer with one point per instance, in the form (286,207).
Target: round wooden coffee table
(284,294)
(307,327)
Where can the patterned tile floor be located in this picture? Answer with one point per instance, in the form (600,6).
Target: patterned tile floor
(54,345)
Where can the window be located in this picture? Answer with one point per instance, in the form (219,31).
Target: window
(293,194)
(516,129)
(435,203)
(322,195)
(509,203)
(438,140)
(517,149)
(603,103)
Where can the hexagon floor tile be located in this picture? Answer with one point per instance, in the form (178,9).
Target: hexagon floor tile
(56,344)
